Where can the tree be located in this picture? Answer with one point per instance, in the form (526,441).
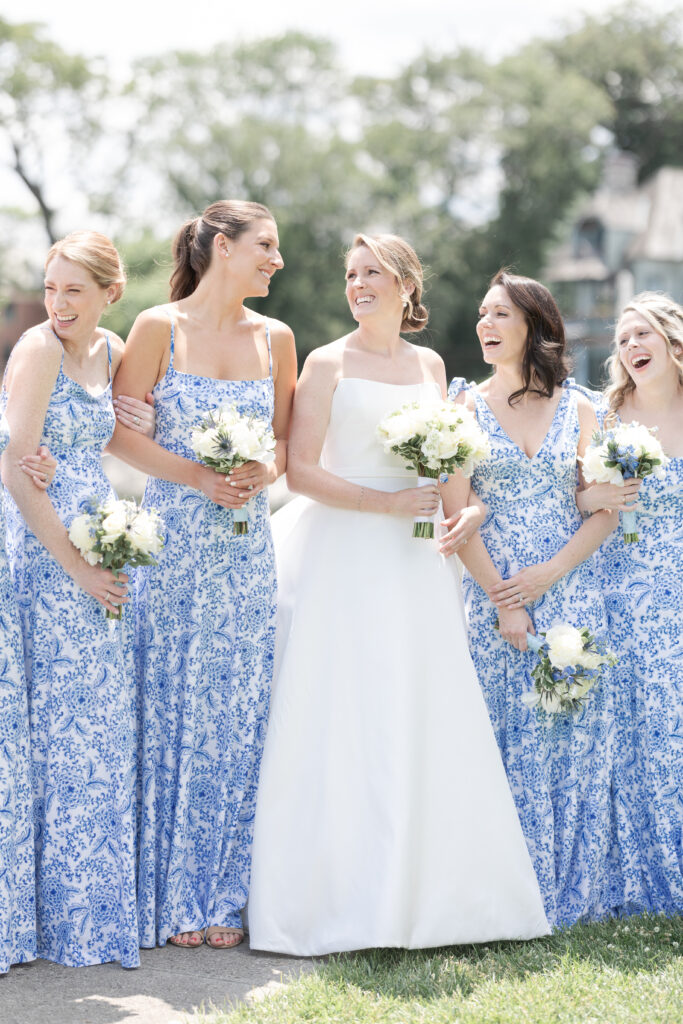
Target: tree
(48,114)
(635,58)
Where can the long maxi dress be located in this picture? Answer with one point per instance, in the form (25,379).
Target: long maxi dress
(643,586)
(205,640)
(560,771)
(17,871)
(384,816)
(81,707)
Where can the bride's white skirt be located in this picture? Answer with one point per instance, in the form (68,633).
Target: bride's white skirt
(384,816)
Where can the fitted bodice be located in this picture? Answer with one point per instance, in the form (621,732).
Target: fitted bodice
(183,400)
(529,498)
(352,449)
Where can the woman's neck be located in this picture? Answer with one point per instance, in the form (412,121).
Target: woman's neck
(655,397)
(382,339)
(214,304)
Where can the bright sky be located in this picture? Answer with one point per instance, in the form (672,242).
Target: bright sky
(372,35)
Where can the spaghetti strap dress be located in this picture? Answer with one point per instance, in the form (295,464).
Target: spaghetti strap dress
(81,708)
(204,649)
(560,768)
(17,872)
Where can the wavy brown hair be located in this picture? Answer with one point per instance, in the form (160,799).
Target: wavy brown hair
(545,365)
(193,245)
(401,260)
(665,316)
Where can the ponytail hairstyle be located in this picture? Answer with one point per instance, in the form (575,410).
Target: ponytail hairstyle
(193,245)
(544,365)
(97,255)
(401,260)
(666,318)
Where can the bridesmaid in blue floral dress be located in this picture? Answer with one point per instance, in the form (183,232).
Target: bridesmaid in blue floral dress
(532,560)
(206,616)
(17,875)
(643,583)
(58,389)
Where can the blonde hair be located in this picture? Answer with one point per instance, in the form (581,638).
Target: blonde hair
(665,316)
(401,260)
(95,253)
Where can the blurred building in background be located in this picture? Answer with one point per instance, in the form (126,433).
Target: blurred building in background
(626,239)
(16,316)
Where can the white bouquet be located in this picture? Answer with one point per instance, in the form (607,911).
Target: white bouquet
(116,533)
(434,438)
(624,452)
(225,439)
(569,666)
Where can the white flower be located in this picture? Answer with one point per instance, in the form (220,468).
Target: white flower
(595,470)
(204,442)
(565,645)
(144,534)
(114,524)
(82,533)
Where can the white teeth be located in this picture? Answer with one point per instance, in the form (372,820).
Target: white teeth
(364,298)
(641,361)
(64,319)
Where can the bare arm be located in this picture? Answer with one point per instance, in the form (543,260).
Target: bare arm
(312,405)
(30,381)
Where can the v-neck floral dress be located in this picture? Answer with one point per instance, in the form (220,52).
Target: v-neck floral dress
(17,873)
(81,707)
(205,643)
(559,769)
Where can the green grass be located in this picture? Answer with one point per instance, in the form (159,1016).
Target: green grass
(618,972)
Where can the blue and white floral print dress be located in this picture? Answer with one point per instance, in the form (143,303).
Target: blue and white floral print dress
(643,585)
(560,770)
(17,875)
(206,633)
(81,712)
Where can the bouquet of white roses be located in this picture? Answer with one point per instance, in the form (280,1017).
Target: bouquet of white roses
(570,662)
(624,452)
(434,438)
(225,439)
(116,533)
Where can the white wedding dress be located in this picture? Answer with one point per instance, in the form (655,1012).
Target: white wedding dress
(384,817)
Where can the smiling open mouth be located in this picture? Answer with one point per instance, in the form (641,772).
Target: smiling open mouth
(640,361)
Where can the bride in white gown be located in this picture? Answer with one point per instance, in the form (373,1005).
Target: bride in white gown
(384,817)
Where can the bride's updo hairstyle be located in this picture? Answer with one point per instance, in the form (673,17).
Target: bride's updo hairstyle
(193,245)
(666,318)
(401,260)
(95,253)
(545,364)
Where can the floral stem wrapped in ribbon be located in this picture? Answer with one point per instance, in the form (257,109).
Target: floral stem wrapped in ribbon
(569,666)
(116,533)
(434,438)
(625,452)
(226,439)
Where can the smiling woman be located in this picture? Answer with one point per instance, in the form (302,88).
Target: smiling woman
(643,583)
(205,617)
(529,568)
(58,391)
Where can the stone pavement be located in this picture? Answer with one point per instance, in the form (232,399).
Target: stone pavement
(170,987)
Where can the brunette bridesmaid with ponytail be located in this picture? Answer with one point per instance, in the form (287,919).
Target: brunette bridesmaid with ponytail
(205,616)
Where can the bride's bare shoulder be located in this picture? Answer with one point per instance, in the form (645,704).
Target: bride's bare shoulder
(326,361)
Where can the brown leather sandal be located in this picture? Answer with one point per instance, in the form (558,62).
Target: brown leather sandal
(213,937)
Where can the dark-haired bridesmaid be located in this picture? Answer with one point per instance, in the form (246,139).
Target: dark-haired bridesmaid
(529,568)
(205,616)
